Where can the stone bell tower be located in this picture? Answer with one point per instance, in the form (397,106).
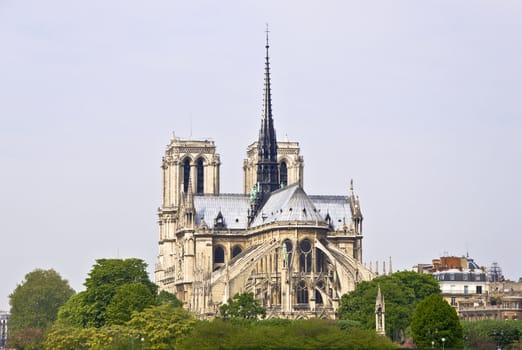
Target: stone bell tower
(193,163)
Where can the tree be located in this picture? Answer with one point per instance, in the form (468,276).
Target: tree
(34,306)
(435,313)
(74,311)
(487,334)
(62,337)
(169,298)
(401,290)
(26,338)
(279,334)
(242,306)
(129,297)
(160,326)
(106,279)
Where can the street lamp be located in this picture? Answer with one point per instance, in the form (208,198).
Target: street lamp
(433,334)
(498,338)
(443,340)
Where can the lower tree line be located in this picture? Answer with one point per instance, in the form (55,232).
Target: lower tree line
(122,309)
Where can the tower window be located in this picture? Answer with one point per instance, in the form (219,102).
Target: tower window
(283,174)
(186,175)
(200,177)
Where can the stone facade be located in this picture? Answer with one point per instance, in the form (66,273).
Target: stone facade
(297,253)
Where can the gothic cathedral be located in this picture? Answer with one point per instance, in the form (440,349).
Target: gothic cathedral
(297,253)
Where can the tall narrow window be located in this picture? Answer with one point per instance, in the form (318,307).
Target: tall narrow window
(305,258)
(318,297)
(236,250)
(219,255)
(186,175)
(200,177)
(302,293)
(283,174)
(320,259)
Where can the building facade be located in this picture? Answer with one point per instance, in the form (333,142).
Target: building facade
(297,253)
(4,318)
(475,292)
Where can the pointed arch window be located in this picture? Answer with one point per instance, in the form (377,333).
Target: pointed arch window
(305,256)
(321,264)
(200,176)
(283,174)
(302,293)
(219,255)
(186,174)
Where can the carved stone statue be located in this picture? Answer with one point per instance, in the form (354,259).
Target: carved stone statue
(285,255)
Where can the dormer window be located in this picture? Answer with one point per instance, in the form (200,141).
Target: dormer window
(328,219)
(219,221)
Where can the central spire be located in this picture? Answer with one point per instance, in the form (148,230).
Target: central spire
(267,170)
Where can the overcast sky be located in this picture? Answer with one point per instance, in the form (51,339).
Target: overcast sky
(418,101)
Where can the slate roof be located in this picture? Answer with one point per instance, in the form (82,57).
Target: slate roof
(338,207)
(287,204)
(233,207)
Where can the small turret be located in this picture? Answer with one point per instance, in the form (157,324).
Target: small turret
(379,313)
(355,208)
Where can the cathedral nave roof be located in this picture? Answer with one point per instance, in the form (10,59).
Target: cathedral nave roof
(233,208)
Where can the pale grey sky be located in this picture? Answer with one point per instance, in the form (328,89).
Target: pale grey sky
(418,101)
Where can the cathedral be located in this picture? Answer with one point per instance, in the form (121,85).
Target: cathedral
(297,253)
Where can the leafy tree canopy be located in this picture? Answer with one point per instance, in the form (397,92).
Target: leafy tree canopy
(165,297)
(35,302)
(114,289)
(434,313)
(487,334)
(27,338)
(34,307)
(162,325)
(129,297)
(401,291)
(242,306)
(279,334)
(154,328)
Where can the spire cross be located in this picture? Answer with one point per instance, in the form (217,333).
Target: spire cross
(267,31)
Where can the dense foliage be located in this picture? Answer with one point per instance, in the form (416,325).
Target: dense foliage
(280,334)
(34,307)
(488,334)
(402,291)
(166,327)
(242,306)
(434,313)
(155,328)
(114,289)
